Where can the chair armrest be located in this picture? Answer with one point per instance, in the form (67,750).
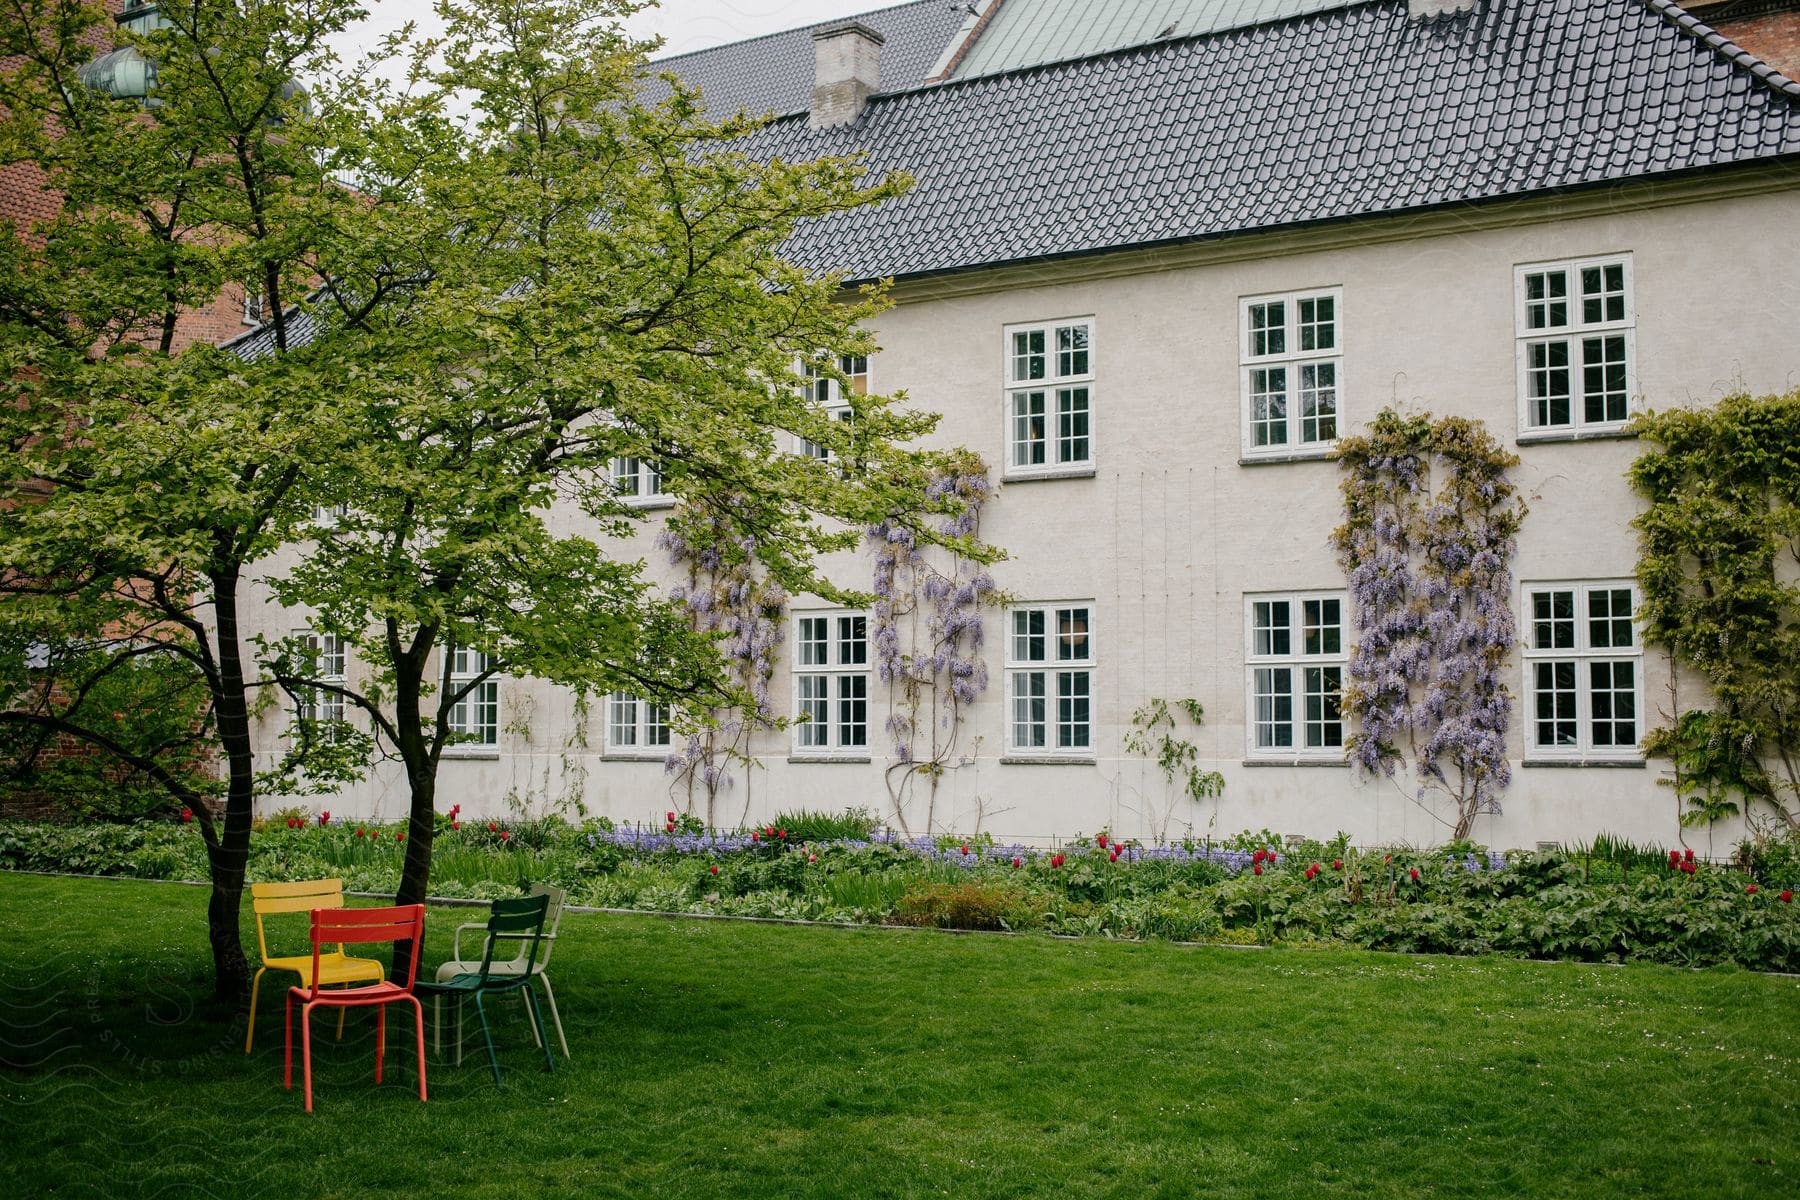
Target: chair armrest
(456,938)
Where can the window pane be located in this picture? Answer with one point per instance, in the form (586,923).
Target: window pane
(1609,618)
(1268,328)
(1072,709)
(1547,384)
(623,722)
(1613,703)
(1028,429)
(814,711)
(1324,726)
(1323,626)
(853,641)
(1028,709)
(1546,300)
(1318,402)
(1071,425)
(1072,635)
(1318,323)
(1553,689)
(813,650)
(853,711)
(1553,620)
(1028,359)
(1603,293)
(1072,350)
(1268,406)
(656,725)
(1603,378)
(1271,624)
(1028,635)
(1273,688)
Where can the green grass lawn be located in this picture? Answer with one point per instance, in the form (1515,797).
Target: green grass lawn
(723,1059)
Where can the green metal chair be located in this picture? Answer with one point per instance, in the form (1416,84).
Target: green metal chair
(512,920)
(524,963)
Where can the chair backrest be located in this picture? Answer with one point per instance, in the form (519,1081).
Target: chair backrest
(274,898)
(398,923)
(552,919)
(523,919)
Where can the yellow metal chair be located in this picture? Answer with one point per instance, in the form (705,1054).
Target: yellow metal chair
(334,967)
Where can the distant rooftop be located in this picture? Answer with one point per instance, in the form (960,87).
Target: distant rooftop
(1024,33)
(774,73)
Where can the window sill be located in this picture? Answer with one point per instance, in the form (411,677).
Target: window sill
(829,758)
(1322,454)
(648,502)
(1540,436)
(1086,472)
(638,756)
(1627,764)
(472,753)
(1048,760)
(1296,762)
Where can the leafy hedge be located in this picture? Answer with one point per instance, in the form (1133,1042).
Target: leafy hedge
(1598,904)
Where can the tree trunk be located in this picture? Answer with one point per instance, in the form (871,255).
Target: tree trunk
(421,777)
(230,862)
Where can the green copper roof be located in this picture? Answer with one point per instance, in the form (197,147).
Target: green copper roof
(1026,32)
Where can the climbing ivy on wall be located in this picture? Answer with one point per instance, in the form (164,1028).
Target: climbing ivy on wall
(727,597)
(1719,564)
(1430,523)
(927,633)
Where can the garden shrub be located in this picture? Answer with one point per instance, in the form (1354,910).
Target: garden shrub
(805,825)
(964,906)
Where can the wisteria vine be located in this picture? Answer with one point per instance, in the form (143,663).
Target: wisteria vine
(727,597)
(1430,523)
(927,633)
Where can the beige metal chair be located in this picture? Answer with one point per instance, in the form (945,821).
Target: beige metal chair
(521,965)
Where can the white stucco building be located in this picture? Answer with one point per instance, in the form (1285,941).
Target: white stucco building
(1154,266)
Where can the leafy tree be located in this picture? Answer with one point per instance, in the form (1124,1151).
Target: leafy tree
(143,481)
(1720,569)
(615,290)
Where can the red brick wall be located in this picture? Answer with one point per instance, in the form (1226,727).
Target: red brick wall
(1772,37)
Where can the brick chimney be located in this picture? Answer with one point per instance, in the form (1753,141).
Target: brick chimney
(1425,10)
(847,64)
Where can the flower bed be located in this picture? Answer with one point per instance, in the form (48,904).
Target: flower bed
(1603,904)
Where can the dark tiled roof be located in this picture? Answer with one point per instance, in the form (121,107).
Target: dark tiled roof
(775,73)
(1351,112)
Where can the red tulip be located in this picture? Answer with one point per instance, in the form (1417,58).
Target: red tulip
(1388,859)
(1415,874)
(714,868)
(1056,861)
(1257,868)
(325,818)
(1752,890)
(1114,856)
(1674,857)
(1689,856)
(781,833)
(1786,897)
(1259,856)
(811,858)
(504,834)
(670,818)
(1100,841)
(401,836)
(291,822)
(455,809)
(360,833)
(187,814)
(1688,867)
(1337,864)
(1272,857)
(492,827)
(456,824)
(669,828)
(754,837)
(965,851)
(1317,868)
(1017,861)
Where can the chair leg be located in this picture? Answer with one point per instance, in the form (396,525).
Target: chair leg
(538,1026)
(306,1050)
(287,1024)
(493,1059)
(256,983)
(437,1024)
(523,992)
(555,1016)
(342,1013)
(419,1025)
(380,1038)
(459,1027)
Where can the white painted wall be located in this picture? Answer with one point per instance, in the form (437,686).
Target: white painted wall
(1171,531)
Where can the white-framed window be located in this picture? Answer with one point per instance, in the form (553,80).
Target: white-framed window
(477,715)
(831,683)
(1583,669)
(253,306)
(1294,671)
(1292,368)
(638,481)
(1049,396)
(327,516)
(637,726)
(326,662)
(831,395)
(1576,334)
(1050,666)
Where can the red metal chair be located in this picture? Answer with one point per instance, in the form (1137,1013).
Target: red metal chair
(350,926)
